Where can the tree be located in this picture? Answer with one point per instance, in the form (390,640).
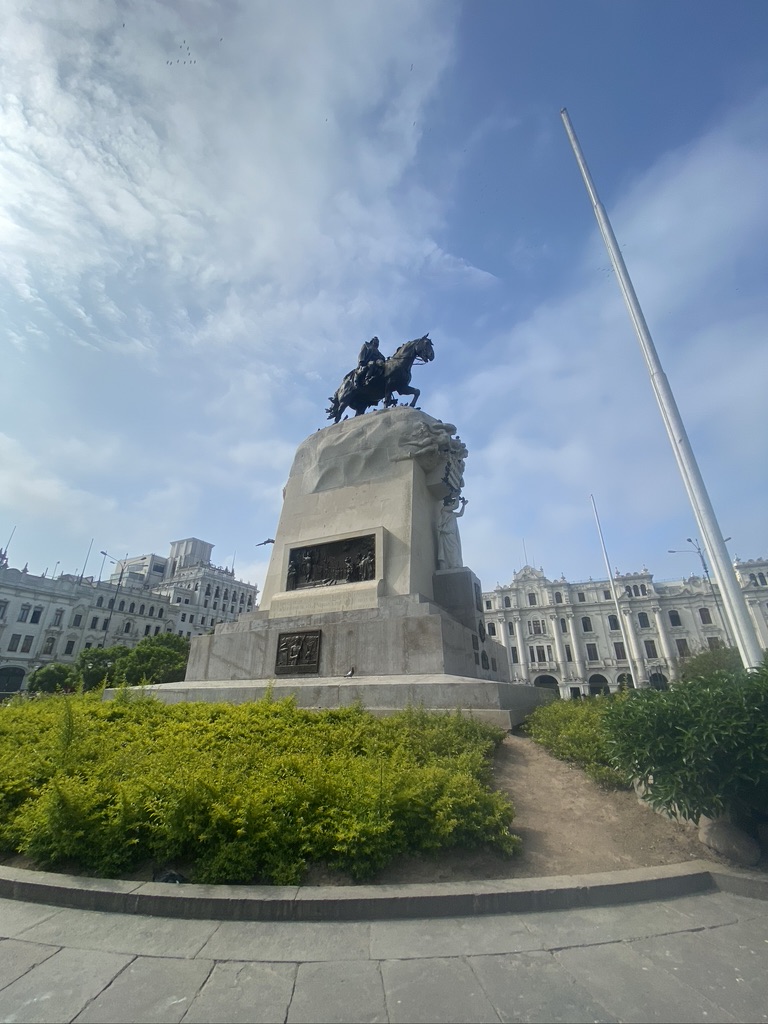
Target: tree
(710,663)
(97,665)
(52,677)
(157,659)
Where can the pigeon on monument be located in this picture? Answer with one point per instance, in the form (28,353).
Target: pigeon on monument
(348,675)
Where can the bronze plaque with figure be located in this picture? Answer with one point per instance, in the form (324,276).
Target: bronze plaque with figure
(298,654)
(325,565)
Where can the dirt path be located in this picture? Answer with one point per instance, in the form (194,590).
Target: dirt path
(569,825)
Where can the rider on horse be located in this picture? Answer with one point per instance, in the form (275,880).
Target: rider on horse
(370,363)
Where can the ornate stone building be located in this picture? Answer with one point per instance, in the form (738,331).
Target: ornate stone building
(572,637)
(43,620)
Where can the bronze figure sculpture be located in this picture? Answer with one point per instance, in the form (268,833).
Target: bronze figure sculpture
(375,379)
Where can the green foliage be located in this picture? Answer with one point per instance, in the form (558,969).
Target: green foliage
(699,748)
(156,659)
(709,663)
(245,793)
(577,730)
(52,677)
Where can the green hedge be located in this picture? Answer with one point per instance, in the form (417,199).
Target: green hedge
(698,748)
(248,793)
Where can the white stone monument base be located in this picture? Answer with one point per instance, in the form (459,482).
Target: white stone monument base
(501,704)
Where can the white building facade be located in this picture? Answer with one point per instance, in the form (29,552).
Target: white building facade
(44,620)
(575,639)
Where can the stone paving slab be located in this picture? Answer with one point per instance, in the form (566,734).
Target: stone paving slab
(17,917)
(279,941)
(434,937)
(535,987)
(123,933)
(150,990)
(16,958)
(341,993)
(716,969)
(631,989)
(244,993)
(60,987)
(439,990)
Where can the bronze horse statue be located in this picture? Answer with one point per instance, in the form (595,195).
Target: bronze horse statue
(375,382)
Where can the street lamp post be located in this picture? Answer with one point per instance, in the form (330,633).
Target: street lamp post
(697,548)
(108,621)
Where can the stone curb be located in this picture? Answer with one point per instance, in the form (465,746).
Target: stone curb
(378,902)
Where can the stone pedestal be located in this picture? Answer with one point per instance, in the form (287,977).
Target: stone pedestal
(353,584)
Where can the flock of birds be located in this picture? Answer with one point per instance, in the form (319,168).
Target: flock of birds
(186,56)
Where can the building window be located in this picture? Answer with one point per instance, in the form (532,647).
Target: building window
(151,610)
(57,618)
(592,652)
(613,622)
(581,596)
(715,643)
(215,605)
(157,630)
(147,630)
(511,628)
(127,627)
(636,590)
(549,652)
(70,646)
(643,589)
(13,644)
(621,654)
(674,618)
(121,606)
(563,626)
(3,609)
(513,655)
(507,602)
(642,619)
(491,628)
(202,620)
(706,618)
(183,616)
(606,595)
(568,653)
(650,649)
(535,626)
(761,579)
(531,655)
(586,624)
(532,599)
(111,603)
(186,600)
(141,609)
(132,607)
(24,613)
(36,614)
(100,602)
(540,654)
(192,619)
(105,625)
(78,620)
(48,646)
(26,646)
(558,597)
(159,613)
(487,606)
(205,604)
(88,646)
(95,622)
(682,647)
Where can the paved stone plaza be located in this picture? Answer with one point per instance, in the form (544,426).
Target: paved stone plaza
(696,958)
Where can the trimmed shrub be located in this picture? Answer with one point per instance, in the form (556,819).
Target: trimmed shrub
(700,748)
(244,793)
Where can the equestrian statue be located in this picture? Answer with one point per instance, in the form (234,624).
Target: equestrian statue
(375,378)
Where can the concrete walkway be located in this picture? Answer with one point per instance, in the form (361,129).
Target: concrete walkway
(700,957)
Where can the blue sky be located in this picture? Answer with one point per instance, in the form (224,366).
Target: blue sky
(193,253)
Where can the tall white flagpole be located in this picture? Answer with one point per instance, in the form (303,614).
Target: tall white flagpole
(735,606)
(636,669)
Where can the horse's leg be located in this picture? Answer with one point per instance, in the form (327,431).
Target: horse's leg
(411,391)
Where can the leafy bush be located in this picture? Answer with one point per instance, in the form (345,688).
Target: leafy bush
(155,659)
(699,748)
(252,792)
(709,663)
(577,730)
(52,677)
